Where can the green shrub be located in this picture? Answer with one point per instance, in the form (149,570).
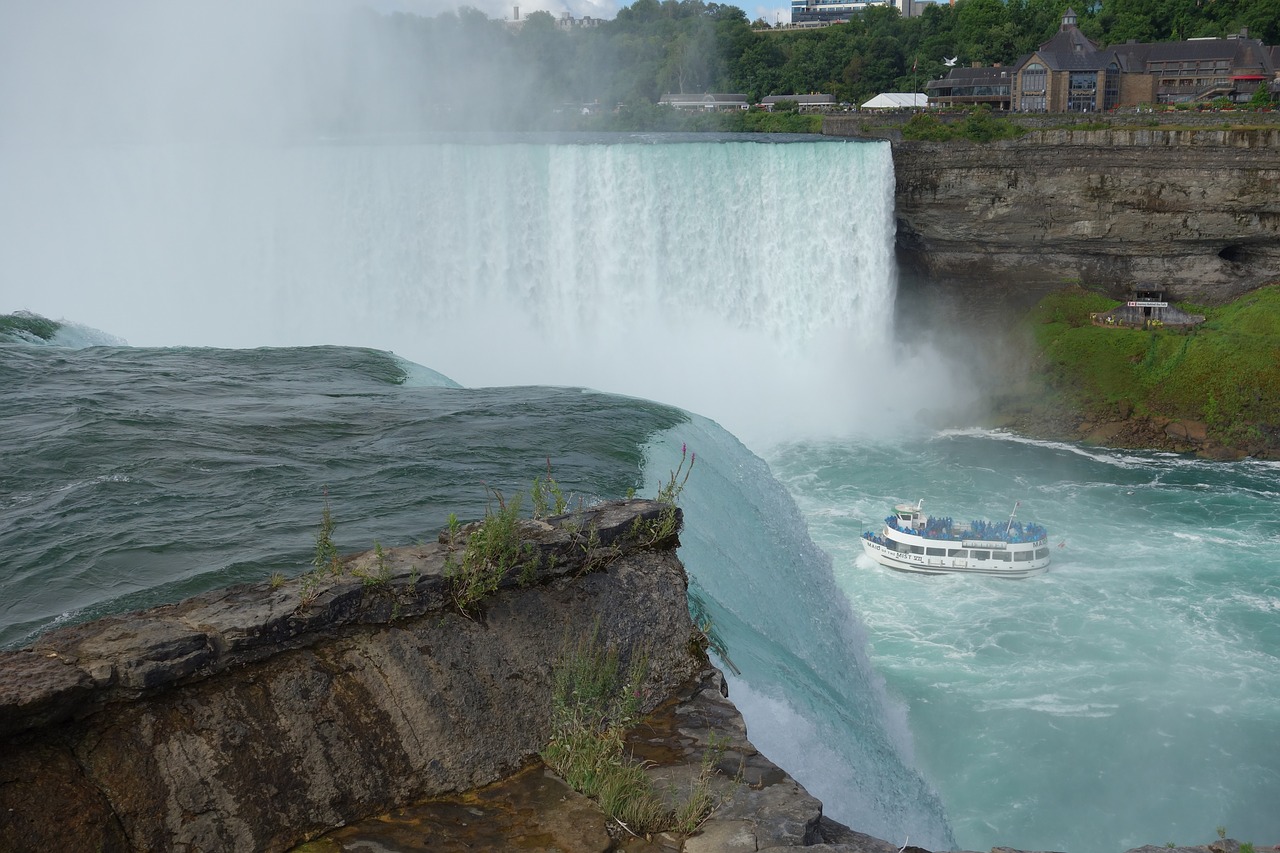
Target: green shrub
(978,126)
(548,498)
(594,703)
(981,126)
(926,128)
(493,549)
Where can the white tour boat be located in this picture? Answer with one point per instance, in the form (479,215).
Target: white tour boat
(910,542)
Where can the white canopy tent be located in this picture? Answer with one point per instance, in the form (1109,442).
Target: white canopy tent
(897,101)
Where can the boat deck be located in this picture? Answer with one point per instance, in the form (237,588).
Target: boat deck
(946,530)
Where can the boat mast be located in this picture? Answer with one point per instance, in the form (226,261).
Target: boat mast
(1008,528)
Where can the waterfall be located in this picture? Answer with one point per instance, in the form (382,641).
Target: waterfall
(800,674)
(741,279)
(747,279)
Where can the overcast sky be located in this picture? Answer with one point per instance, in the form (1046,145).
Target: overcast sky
(770,11)
(169,69)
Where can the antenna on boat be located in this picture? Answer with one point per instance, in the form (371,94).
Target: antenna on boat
(1008,528)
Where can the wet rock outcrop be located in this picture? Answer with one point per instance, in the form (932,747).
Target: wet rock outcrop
(1193,210)
(695,735)
(254,717)
(264,715)
(1196,211)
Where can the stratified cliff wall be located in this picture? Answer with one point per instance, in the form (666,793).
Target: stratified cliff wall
(246,719)
(1194,211)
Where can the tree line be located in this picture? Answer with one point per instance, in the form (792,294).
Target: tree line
(465,69)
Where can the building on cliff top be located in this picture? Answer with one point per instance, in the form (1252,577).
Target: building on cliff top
(707,102)
(1069,73)
(804,103)
(839,11)
(973,86)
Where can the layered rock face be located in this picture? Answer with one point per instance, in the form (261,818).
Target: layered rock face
(253,717)
(1194,211)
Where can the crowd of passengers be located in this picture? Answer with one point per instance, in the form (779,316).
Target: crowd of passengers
(995,531)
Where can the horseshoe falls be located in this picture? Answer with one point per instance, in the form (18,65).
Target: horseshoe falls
(737,278)
(400,322)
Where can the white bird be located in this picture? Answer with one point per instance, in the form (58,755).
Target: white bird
(949,62)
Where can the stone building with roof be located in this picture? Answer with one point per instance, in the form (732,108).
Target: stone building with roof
(975,86)
(1070,73)
(814,102)
(828,11)
(1202,69)
(705,102)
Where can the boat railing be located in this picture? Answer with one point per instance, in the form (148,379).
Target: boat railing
(945,530)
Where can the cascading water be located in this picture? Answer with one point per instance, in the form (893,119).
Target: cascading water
(1128,697)
(795,653)
(741,279)
(751,280)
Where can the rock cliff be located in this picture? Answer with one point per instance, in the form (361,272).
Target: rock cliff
(246,719)
(1194,210)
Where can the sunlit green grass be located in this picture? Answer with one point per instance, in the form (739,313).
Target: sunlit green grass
(1225,372)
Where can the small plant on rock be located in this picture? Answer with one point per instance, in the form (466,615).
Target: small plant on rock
(548,498)
(595,701)
(326,554)
(381,568)
(453,531)
(308,589)
(493,549)
(669,492)
(667,523)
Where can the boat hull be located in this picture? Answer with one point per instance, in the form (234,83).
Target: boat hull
(923,565)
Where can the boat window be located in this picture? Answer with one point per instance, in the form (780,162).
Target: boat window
(916,549)
(935,552)
(1041,553)
(1022,556)
(959,553)
(981,555)
(1003,555)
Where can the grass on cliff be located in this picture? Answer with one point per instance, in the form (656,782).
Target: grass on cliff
(494,548)
(594,703)
(483,554)
(978,126)
(1225,372)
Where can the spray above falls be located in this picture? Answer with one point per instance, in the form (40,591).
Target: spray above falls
(740,279)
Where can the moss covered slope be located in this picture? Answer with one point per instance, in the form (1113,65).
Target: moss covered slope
(1224,374)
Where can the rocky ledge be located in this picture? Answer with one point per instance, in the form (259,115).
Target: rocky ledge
(758,806)
(255,717)
(1194,211)
(1121,430)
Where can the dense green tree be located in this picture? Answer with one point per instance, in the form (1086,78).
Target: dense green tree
(461,68)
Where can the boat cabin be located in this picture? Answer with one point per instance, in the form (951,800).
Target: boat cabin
(909,516)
